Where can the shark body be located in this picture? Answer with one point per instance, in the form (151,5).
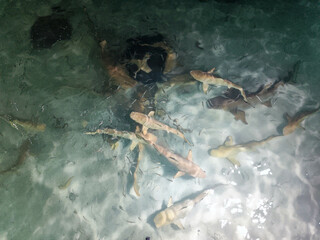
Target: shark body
(147,121)
(137,140)
(295,121)
(185,165)
(25,124)
(207,79)
(134,137)
(174,212)
(233,102)
(229,150)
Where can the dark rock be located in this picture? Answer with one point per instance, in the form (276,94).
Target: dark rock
(49,29)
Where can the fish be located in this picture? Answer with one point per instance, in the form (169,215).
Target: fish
(174,212)
(123,134)
(207,79)
(25,124)
(171,60)
(117,72)
(137,140)
(295,121)
(184,165)
(229,150)
(147,121)
(66,184)
(233,101)
(136,186)
(23,154)
(142,64)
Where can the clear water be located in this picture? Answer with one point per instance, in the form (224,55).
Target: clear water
(273,195)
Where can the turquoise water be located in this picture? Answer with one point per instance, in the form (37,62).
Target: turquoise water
(274,194)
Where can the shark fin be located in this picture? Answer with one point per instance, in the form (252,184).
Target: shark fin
(301,127)
(151,114)
(189,157)
(114,145)
(205,87)
(170,202)
(178,224)
(228,141)
(288,117)
(234,161)
(179,174)
(211,70)
(144,130)
(267,103)
(133,145)
(240,115)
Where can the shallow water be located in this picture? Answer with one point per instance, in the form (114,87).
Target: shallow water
(274,194)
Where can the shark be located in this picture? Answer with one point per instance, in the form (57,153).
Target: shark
(174,212)
(184,165)
(137,140)
(229,150)
(207,79)
(25,124)
(142,64)
(233,101)
(171,60)
(23,155)
(135,137)
(147,121)
(295,121)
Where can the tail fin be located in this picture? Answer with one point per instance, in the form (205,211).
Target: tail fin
(292,75)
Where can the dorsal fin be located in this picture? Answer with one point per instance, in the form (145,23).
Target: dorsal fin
(179,174)
(228,141)
(133,145)
(151,114)
(205,87)
(288,117)
(144,130)
(170,202)
(211,70)
(267,103)
(189,157)
(178,224)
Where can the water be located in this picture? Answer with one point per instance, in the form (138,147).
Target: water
(273,195)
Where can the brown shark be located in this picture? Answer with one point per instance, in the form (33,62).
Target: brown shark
(142,64)
(295,121)
(174,212)
(136,140)
(233,102)
(147,121)
(134,137)
(25,124)
(185,165)
(229,150)
(207,79)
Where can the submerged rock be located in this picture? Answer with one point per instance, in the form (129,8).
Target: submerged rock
(49,29)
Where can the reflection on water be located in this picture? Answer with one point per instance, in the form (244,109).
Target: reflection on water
(105,134)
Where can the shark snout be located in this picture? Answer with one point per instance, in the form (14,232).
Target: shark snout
(195,73)
(138,117)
